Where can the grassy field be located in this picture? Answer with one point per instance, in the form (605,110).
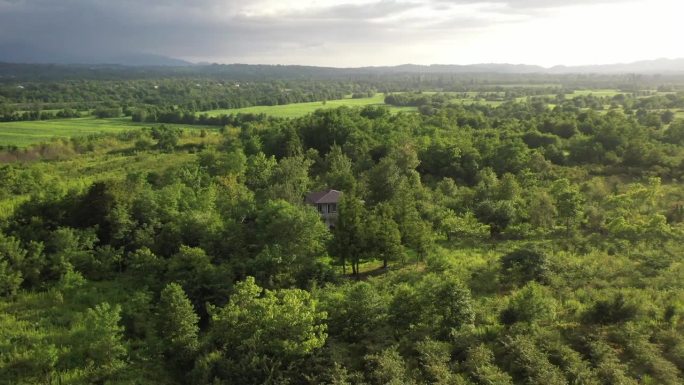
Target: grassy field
(22,134)
(597,93)
(300,109)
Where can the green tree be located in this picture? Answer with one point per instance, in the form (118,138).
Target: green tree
(10,279)
(524,265)
(99,340)
(232,161)
(448,304)
(167,138)
(481,366)
(12,257)
(533,303)
(435,363)
(675,133)
(462,226)
(290,179)
(356,311)
(177,326)
(529,362)
(145,266)
(498,215)
(667,116)
(383,235)
(542,210)
(296,228)
(339,171)
(508,188)
(260,334)
(388,368)
(259,171)
(349,241)
(416,233)
(569,202)
(193,269)
(293,236)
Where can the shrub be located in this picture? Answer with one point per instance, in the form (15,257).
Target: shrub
(525,265)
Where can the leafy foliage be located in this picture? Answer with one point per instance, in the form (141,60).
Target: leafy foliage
(503,241)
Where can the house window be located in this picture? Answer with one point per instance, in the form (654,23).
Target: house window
(320,208)
(332,208)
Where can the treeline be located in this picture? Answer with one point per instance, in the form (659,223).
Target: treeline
(416,99)
(425,76)
(177,116)
(199,94)
(8,115)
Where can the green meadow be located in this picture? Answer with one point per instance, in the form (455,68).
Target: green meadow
(22,134)
(300,109)
(597,93)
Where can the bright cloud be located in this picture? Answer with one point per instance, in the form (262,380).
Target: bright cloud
(351,32)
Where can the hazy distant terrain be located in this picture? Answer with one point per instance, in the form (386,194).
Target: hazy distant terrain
(58,64)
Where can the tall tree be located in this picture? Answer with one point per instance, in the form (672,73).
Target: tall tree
(290,179)
(569,202)
(293,237)
(177,326)
(383,235)
(348,243)
(339,173)
(11,259)
(100,342)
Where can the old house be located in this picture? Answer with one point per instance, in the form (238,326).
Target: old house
(326,203)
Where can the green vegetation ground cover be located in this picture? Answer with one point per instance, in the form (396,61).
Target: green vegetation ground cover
(597,93)
(475,244)
(300,109)
(22,134)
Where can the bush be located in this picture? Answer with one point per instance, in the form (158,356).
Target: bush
(617,309)
(166,137)
(102,112)
(524,265)
(530,304)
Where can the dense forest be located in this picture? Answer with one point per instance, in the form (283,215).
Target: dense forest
(535,241)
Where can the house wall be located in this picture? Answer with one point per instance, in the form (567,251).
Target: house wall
(328,212)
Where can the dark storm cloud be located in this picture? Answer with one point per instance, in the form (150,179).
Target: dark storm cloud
(233,29)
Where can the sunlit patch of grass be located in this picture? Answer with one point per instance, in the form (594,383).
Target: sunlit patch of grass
(295,110)
(23,134)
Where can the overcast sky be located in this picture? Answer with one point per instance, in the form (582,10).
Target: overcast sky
(353,32)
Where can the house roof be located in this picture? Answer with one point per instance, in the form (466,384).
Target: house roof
(327,196)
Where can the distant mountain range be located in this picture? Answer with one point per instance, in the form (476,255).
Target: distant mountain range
(17,53)
(645,67)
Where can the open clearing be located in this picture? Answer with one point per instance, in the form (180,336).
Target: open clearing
(22,134)
(300,109)
(597,93)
